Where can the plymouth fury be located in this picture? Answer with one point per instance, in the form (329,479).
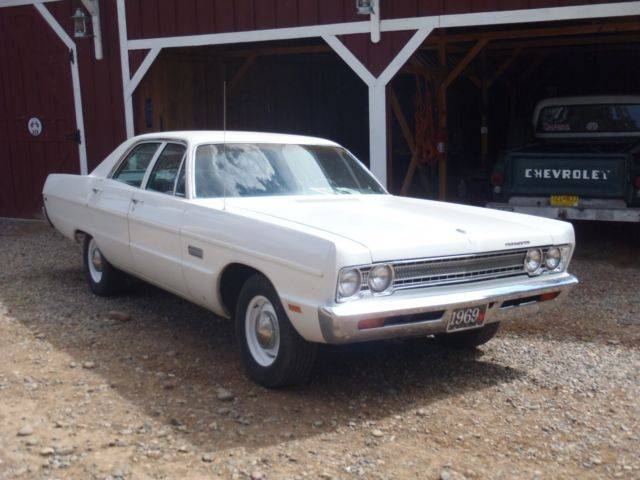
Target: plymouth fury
(299,244)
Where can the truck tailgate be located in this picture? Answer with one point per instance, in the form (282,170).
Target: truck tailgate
(584,174)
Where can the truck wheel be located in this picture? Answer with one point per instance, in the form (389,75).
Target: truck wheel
(273,353)
(103,278)
(470,338)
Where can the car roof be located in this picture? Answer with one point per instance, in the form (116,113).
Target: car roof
(218,136)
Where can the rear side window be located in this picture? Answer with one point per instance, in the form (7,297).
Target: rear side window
(182,177)
(590,119)
(165,171)
(131,171)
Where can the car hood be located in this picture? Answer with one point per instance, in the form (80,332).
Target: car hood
(402,228)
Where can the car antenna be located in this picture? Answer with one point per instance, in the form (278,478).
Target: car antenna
(224,141)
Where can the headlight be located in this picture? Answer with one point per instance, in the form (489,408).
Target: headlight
(552,258)
(533,261)
(349,282)
(380,278)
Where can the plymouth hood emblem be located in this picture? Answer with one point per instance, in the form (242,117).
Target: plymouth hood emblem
(517,244)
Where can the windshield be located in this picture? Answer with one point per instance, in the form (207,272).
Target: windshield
(252,170)
(593,119)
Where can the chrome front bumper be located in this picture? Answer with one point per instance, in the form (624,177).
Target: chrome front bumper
(339,322)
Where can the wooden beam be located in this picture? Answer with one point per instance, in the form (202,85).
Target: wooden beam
(536,32)
(533,66)
(408,178)
(504,66)
(246,65)
(423,68)
(475,80)
(402,120)
(484,120)
(567,41)
(266,51)
(442,123)
(459,68)
(621,39)
(408,136)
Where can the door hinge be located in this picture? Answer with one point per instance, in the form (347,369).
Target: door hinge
(72,57)
(74,137)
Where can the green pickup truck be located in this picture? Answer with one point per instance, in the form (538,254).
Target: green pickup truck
(584,165)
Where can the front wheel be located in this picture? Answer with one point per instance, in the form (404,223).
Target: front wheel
(103,278)
(469,338)
(273,353)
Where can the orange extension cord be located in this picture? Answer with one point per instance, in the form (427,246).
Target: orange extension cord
(425,141)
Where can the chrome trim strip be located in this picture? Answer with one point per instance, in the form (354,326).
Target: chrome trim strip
(459,269)
(339,322)
(464,256)
(491,263)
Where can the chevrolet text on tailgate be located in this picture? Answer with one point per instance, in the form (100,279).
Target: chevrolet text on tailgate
(585,164)
(293,239)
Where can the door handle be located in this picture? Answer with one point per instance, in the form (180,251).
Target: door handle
(135,201)
(96,190)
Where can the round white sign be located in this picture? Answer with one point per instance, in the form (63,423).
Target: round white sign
(34,125)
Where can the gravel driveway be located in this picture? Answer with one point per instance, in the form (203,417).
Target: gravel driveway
(156,391)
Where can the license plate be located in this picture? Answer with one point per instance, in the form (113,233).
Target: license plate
(564,200)
(467,318)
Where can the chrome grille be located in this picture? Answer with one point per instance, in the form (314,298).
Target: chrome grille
(457,269)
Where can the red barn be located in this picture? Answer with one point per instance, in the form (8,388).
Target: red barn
(416,88)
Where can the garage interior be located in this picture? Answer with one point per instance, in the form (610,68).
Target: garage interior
(471,90)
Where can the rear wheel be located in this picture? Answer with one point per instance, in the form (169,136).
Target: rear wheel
(273,353)
(103,278)
(469,338)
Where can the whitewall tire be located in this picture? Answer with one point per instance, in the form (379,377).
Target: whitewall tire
(273,353)
(102,277)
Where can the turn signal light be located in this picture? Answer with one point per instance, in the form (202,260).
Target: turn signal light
(497,179)
(548,296)
(371,323)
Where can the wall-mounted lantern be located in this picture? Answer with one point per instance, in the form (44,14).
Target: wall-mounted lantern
(365,7)
(79,24)
(80,29)
(371,8)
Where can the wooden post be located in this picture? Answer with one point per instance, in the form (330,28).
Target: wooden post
(484,121)
(377,132)
(244,68)
(408,137)
(442,122)
(448,79)
(389,147)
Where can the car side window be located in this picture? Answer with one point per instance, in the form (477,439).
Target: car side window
(164,174)
(182,178)
(131,171)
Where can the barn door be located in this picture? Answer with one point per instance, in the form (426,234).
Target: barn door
(38,133)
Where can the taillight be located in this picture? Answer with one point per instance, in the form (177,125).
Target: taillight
(636,182)
(497,179)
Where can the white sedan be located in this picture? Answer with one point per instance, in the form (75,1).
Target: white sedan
(297,242)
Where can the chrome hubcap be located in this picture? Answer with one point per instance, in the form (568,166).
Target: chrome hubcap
(265,330)
(95,261)
(96,258)
(262,330)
